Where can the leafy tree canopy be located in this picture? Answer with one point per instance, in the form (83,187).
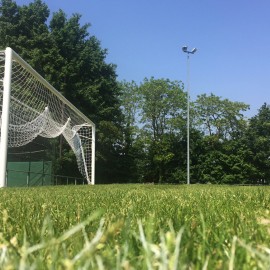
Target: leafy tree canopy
(63,51)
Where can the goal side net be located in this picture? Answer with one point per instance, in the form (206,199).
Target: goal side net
(31,107)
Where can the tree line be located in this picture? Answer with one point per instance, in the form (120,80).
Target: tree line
(141,127)
(225,147)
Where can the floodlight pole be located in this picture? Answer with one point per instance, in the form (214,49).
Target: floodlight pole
(185,50)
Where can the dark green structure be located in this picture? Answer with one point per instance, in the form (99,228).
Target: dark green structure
(29,173)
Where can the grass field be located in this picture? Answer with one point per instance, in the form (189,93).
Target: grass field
(135,227)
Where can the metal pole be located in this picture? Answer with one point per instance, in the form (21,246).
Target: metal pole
(28,173)
(93,155)
(185,50)
(5,116)
(42,173)
(188,124)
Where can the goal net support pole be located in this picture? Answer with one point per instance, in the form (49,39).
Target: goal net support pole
(32,107)
(93,149)
(5,116)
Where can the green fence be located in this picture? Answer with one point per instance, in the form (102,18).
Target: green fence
(32,173)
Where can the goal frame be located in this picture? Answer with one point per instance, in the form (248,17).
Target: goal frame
(10,56)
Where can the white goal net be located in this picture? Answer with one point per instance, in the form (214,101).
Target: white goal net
(31,107)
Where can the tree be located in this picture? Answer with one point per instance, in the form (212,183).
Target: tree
(258,140)
(220,117)
(162,106)
(74,63)
(25,30)
(96,89)
(132,152)
(224,161)
(162,112)
(222,155)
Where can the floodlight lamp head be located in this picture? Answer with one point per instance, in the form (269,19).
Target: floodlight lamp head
(194,50)
(184,48)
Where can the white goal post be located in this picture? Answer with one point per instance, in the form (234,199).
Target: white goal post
(31,107)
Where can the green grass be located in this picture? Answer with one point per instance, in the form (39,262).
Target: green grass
(135,227)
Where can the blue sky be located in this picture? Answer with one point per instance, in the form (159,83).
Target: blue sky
(144,39)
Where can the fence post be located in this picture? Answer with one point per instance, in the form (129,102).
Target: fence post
(6,179)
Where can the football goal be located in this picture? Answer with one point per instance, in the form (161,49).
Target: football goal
(30,107)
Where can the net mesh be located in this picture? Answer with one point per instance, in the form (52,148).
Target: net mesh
(37,109)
